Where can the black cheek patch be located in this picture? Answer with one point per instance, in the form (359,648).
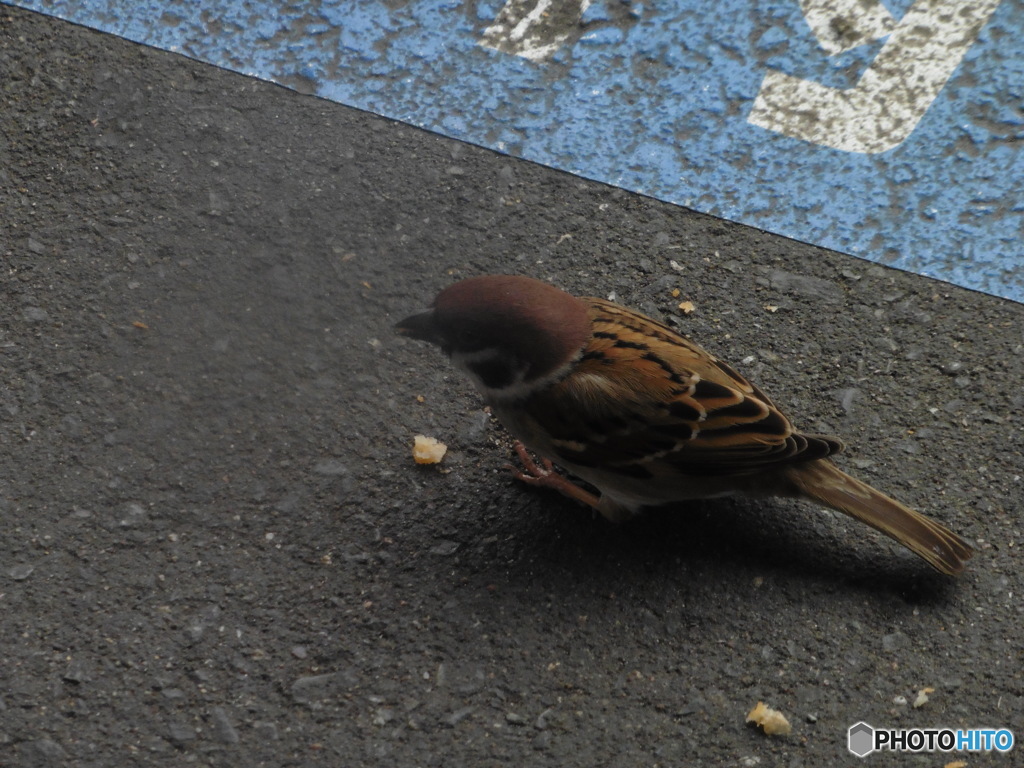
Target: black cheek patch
(494,373)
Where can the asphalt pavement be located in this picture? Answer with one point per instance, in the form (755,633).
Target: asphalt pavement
(217,549)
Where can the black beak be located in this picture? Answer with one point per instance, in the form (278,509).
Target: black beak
(421,327)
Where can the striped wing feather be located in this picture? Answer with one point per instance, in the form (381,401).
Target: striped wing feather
(644,397)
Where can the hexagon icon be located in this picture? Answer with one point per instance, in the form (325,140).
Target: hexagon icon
(860,739)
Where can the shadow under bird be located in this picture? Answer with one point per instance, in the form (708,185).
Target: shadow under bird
(641,413)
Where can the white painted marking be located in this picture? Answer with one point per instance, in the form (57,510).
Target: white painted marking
(842,25)
(892,95)
(525,27)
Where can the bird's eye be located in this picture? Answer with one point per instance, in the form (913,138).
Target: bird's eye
(469,340)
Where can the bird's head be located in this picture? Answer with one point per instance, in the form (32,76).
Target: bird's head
(510,333)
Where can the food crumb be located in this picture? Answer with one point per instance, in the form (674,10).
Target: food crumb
(771,721)
(922,697)
(427,450)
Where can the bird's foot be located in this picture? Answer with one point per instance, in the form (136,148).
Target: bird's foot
(544,475)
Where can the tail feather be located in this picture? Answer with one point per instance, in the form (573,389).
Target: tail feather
(824,482)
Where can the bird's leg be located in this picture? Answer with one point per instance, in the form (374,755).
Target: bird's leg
(544,475)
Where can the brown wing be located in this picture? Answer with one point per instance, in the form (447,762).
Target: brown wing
(642,396)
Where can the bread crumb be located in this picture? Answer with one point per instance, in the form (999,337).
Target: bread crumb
(922,697)
(427,450)
(771,721)
(688,307)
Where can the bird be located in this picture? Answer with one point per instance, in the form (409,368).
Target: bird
(642,413)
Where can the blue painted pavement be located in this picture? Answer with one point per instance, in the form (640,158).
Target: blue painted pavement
(892,131)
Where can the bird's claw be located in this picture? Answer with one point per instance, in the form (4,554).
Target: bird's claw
(544,475)
(534,474)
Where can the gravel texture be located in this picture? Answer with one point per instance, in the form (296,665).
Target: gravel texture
(218,551)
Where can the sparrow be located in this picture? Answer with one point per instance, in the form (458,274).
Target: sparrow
(641,413)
